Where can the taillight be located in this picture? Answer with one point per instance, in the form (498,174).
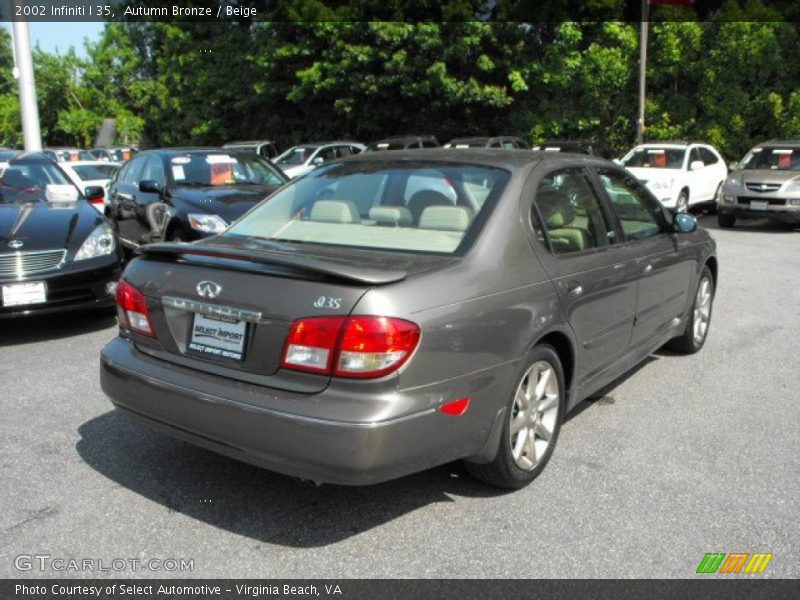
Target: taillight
(311,344)
(132,309)
(360,347)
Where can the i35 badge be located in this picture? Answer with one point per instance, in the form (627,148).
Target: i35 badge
(15,244)
(209,289)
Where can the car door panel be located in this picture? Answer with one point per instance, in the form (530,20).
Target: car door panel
(596,285)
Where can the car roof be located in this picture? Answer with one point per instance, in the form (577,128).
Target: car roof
(30,157)
(91,163)
(795,143)
(247,143)
(502,158)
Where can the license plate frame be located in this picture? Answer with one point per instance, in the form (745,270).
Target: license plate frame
(758,204)
(23,294)
(218,337)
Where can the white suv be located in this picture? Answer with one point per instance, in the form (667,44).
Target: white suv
(680,174)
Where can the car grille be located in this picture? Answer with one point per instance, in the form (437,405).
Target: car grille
(22,264)
(763,188)
(770,201)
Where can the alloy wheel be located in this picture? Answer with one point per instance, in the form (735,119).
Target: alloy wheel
(534,415)
(702,310)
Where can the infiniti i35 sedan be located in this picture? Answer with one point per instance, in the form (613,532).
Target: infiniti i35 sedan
(362,324)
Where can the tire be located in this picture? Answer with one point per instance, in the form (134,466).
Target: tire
(682,203)
(726,221)
(694,335)
(517,462)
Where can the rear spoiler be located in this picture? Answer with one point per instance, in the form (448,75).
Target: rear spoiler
(322,266)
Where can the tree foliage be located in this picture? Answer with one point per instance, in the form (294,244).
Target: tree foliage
(324,69)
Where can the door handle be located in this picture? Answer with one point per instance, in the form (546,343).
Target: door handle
(648,268)
(574,290)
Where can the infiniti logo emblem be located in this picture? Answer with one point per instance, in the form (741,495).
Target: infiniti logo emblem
(16,244)
(209,289)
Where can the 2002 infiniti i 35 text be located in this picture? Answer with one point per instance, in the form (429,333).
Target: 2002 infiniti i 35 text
(385,314)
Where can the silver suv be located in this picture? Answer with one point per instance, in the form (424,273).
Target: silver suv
(765,184)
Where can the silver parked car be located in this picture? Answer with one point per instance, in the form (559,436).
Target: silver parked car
(765,184)
(362,324)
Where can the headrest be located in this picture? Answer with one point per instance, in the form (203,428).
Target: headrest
(556,208)
(398,216)
(446,218)
(334,211)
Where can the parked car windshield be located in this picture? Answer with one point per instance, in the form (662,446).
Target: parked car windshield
(221,168)
(296,156)
(424,207)
(37,181)
(773,158)
(655,158)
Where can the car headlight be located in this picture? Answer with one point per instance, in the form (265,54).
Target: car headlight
(101,242)
(732,182)
(207,223)
(793,186)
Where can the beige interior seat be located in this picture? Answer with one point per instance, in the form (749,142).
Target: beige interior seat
(334,211)
(446,218)
(393,216)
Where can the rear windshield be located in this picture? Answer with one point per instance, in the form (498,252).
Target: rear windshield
(775,159)
(91,172)
(655,158)
(424,207)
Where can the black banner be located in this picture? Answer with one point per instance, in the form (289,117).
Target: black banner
(406,589)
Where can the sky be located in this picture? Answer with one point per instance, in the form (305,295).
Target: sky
(59,37)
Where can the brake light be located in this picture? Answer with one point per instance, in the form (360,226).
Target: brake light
(132,310)
(311,344)
(357,347)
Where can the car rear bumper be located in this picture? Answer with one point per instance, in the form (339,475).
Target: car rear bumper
(70,290)
(173,399)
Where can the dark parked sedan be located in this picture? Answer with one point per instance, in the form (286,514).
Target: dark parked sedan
(392,312)
(57,252)
(186,194)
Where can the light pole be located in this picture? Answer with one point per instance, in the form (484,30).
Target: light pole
(642,71)
(23,71)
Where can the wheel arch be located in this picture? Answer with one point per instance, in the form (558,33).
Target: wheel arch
(712,265)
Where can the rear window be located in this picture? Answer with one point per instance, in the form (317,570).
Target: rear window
(420,207)
(91,172)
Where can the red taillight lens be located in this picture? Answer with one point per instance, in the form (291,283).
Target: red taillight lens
(362,347)
(311,344)
(132,310)
(375,346)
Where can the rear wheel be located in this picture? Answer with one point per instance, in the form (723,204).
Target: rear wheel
(699,319)
(531,428)
(726,220)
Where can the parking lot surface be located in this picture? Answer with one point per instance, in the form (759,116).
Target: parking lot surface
(682,456)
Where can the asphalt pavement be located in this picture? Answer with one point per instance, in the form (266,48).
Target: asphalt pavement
(682,456)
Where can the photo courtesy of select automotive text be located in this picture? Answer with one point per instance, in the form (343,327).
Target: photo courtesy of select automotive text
(454,299)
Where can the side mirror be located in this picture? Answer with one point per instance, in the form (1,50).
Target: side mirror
(733,166)
(684,223)
(617,161)
(94,193)
(317,161)
(148,186)
(696,164)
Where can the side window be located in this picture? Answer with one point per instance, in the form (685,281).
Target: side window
(133,170)
(428,144)
(640,215)
(344,151)
(327,153)
(709,158)
(153,170)
(509,144)
(568,214)
(693,156)
(355,150)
